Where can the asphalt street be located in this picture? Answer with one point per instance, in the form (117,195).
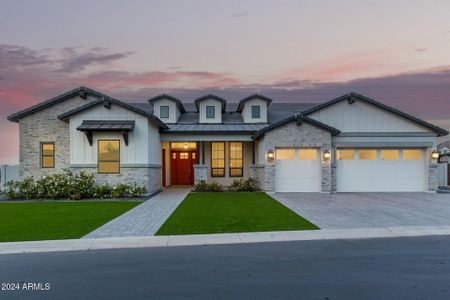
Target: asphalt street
(393,268)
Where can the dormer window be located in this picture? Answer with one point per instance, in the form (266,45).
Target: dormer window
(210,112)
(164,111)
(256,112)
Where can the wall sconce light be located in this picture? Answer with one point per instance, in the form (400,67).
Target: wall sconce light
(185,146)
(270,155)
(434,154)
(326,155)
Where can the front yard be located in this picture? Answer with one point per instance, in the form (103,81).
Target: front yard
(31,221)
(231,212)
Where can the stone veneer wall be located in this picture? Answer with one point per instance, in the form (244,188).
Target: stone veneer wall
(257,172)
(44,126)
(293,135)
(200,173)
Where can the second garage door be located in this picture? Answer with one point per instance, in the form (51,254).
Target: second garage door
(297,170)
(380,170)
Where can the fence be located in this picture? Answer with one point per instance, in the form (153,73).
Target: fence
(443,174)
(8,173)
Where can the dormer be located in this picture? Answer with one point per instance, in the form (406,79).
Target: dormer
(254,108)
(210,108)
(167,108)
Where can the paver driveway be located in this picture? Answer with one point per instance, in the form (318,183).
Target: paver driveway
(363,210)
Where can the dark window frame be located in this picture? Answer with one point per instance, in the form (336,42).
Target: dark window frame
(42,154)
(98,156)
(253,112)
(160,111)
(230,159)
(213,111)
(224,160)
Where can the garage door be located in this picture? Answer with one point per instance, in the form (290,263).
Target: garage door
(380,170)
(297,170)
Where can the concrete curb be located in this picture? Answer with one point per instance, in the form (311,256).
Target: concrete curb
(217,239)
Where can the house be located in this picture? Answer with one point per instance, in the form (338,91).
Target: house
(349,144)
(444,152)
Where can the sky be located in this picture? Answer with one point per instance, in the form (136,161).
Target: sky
(397,52)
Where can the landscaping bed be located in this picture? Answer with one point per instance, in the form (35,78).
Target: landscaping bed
(208,212)
(30,221)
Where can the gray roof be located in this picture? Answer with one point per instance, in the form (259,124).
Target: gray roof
(106,125)
(215,128)
(444,144)
(352,97)
(257,96)
(172,98)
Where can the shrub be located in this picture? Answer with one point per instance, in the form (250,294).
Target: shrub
(69,185)
(244,185)
(215,187)
(202,186)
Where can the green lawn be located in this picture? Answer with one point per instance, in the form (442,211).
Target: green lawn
(30,221)
(231,212)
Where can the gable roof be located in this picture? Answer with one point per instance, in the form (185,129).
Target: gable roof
(107,103)
(82,91)
(246,99)
(299,118)
(352,97)
(210,96)
(443,145)
(165,96)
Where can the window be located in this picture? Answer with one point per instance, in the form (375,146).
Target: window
(109,156)
(412,154)
(184,155)
(367,154)
(307,154)
(164,112)
(236,159)
(389,154)
(47,155)
(210,112)
(285,154)
(256,112)
(346,154)
(217,159)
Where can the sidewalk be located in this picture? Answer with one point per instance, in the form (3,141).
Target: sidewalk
(215,239)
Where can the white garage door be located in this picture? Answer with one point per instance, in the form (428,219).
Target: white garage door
(297,170)
(380,170)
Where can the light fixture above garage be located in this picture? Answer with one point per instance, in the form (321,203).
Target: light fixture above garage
(326,155)
(434,154)
(270,155)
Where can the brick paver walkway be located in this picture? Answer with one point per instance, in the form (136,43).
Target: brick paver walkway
(144,219)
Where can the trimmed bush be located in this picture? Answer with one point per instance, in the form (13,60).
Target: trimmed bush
(69,185)
(202,186)
(244,185)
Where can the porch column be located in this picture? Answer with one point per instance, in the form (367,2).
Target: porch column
(200,169)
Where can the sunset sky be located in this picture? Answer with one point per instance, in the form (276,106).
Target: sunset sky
(397,52)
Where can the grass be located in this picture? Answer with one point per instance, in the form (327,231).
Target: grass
(231,212)
(33,221)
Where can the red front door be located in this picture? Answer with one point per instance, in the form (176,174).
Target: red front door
(182,167)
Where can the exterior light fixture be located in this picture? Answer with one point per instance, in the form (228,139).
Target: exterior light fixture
(185,145)
(326,155)
(434,154)
(270,155)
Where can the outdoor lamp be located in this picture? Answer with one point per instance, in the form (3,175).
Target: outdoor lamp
(434,154)
(326,155)
(270,155)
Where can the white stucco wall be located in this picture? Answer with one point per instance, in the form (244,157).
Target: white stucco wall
(138,151)
(363,117)
(202,109)
(174,112)
(247,111)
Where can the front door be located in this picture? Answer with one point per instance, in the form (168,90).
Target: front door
(182,167)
